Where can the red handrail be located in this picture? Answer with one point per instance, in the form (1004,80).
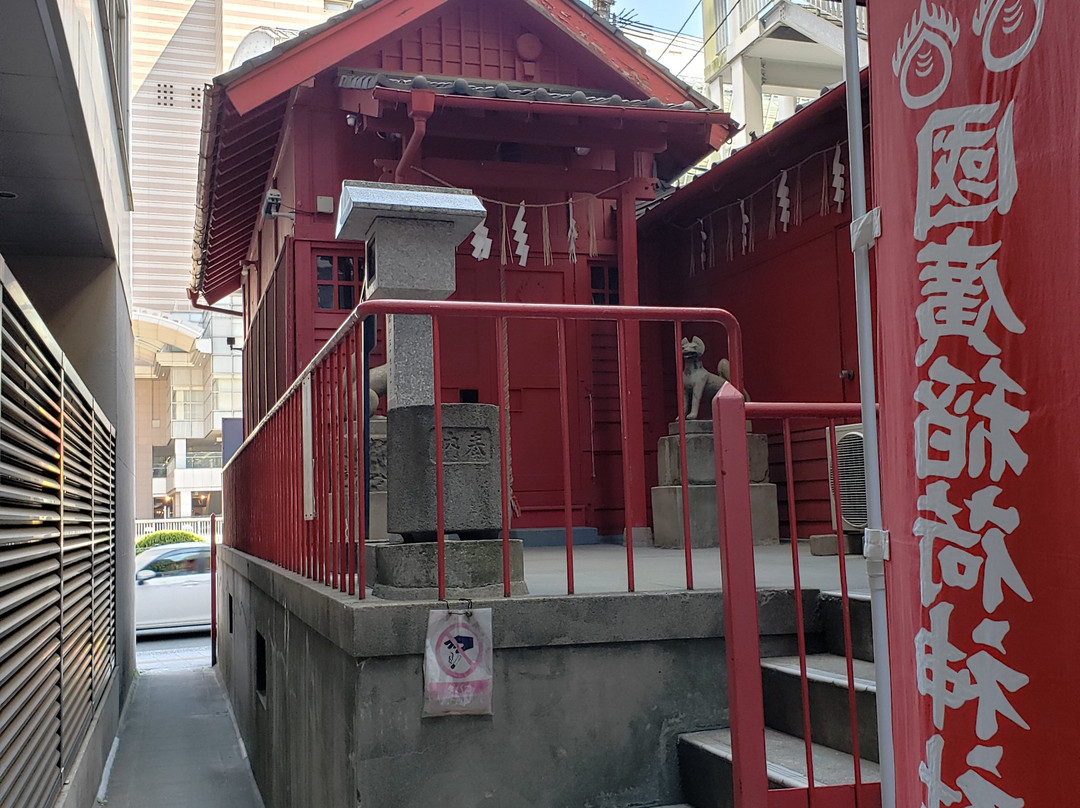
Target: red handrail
(329,545)
(743,649)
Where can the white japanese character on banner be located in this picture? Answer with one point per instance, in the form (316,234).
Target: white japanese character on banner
(980,792)
(937,793)
(943,444)
(985,679)
(945,686)
(942,425)
(992,678)
(1000,569)
(967,168)
(998,431)
(959,567)
(1009,29)
(962,289)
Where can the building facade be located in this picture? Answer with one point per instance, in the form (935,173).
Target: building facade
(763,58)
(188,363)
(66,418)
(611,124)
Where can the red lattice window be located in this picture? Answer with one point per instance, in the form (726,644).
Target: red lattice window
(338,278)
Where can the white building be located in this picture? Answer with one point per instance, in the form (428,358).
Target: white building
(764,57)
(187,362)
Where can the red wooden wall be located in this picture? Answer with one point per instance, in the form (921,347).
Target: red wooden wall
(793,294)
(287,325)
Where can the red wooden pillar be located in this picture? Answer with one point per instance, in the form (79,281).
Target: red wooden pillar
(628,296)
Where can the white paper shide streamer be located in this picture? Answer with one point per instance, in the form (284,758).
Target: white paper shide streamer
(520,236)
(783,200)
(745,226)
(838,180)
(481,242)
(571,232)
(704,245)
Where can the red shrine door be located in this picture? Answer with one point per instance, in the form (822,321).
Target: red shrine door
(472,368)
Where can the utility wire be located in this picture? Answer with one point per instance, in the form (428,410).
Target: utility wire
(686,22)
(723,22)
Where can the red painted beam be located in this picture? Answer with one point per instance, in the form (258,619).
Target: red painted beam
(323,50)
(464,174)
(542,109)
(561,131)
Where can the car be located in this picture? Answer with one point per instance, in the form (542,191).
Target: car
(172,587)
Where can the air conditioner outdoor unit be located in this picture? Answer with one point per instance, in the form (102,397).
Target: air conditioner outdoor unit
(847,455)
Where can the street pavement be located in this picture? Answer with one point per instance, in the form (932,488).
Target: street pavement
(178,745)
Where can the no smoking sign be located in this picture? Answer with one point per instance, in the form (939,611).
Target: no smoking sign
(460,651)
(457,663)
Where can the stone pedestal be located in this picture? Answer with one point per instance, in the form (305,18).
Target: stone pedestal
(473,570)
(471,471)
(825,544)
(701,474)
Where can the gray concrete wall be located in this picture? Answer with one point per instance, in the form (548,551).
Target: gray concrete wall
(590,693)
(82,781)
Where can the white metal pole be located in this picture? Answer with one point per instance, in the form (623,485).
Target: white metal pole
(875,564)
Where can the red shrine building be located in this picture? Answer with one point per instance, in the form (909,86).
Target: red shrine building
(540,109)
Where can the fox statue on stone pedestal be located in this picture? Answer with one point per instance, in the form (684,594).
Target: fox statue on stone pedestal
(698,383)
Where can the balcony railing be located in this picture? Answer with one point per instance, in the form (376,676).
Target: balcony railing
(199,525)
(264,482)
(204,460)
(751,10)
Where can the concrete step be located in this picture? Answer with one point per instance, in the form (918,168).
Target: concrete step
(830,615)
(827,687)
(705,766)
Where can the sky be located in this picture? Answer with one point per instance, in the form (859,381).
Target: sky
(666,14)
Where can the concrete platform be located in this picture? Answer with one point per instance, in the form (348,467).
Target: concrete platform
(602,569)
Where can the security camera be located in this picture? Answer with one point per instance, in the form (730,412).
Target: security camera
(272,203)
(272,206)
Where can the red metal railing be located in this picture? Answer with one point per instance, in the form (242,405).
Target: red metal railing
(740,606)
(320,533)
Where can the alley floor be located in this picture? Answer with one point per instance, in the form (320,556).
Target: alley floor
(177,744)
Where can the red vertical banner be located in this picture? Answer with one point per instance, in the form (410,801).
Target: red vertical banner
(974,122)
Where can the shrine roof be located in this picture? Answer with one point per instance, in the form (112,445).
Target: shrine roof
(245,110)
(262,77)
(818,125)
(507,90)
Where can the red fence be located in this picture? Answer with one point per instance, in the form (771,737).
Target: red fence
(320,533)
(740,607)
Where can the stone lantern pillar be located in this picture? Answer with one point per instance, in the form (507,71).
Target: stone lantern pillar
(411,234)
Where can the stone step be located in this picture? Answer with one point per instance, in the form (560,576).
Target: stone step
(830,617)
(827,687)
(705,766)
